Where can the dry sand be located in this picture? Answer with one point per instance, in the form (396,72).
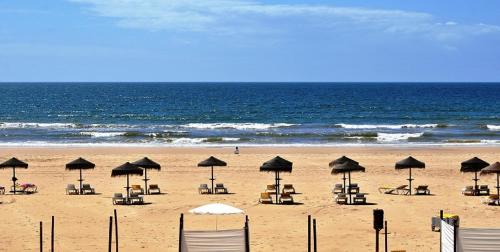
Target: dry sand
(81,221)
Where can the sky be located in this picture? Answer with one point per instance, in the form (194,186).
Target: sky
(250,40)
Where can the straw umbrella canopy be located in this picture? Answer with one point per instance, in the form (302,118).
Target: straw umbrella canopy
(277,165)
(80,164)
(14,163)
(493,168)
(342,160)
(147,164)
(348,167)
(211,162)
(127,169)
(474,165)
(409,163)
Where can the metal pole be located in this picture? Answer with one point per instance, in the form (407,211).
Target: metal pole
(110,234)
(247,234)
(309,233)
(181,227)
(116,229)
(41,237)
(52,236)
(314,235)
(385,233)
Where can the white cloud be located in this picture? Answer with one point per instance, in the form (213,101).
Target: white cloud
(244,16)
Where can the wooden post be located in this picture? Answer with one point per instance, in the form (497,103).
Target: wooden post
(314,236)
(52,236)
(181,227)
(409,180)
(247,234)
(212,179)
(146,181)
(349,189)
(116,230)
(385,233)
(309,233)
(81,181)
(41,237)
(110,234)
(14,178)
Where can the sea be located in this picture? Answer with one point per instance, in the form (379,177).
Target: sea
(249,114)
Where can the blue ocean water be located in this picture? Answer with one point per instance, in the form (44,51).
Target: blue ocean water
(174,114)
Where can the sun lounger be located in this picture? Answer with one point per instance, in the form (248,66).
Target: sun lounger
(136,198)
(491,200)
(338,188)
(288,188)
(484,190)
(203,189)
(341,198)
(137,189)
(118,199)
(71,189)
(87,189)
(422,190)
(220,189)
(468,191)
(265,198)
(402,190)
(154,189)
(286,198)
(353,188)
(26,188)
(359,199)
(271,189)
(2,190)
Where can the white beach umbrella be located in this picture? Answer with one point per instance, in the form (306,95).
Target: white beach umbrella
(216,209)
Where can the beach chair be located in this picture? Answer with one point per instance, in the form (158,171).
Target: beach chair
(353,188)
(491,200)
(271,189)
(118,199)
(136,199)
(154,189)
(2,190)
(422,190)
(220,189)
(484,190)
(26,188)
(203,189)
(288,188)
(286,198)
(341,198)
(359,199)
(338,188)
(265,198)
(137,189)
(87,189)
(71,189)
(468,191)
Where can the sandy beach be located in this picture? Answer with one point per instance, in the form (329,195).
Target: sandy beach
(81,221)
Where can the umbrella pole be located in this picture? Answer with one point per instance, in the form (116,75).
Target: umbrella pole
(349,189)
(475,183)
(81,181)
(127,188)
(14,178)
(212,179)
(343,178)
(498,188)
(410,181)
(146,181)
(277,178)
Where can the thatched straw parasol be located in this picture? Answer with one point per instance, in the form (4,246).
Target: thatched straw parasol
(211,162)
(147,164)
(348,167)
(338,161)
(494,168)
(474,165)
(80,164)
(409,163)
(127,169)
(14,163)
(277,165)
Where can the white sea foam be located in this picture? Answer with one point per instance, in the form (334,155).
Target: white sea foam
(16,125)
(238,126)
(385,126)
(395,137)
(188,141)
(493,127)
(102,134)
(490,141)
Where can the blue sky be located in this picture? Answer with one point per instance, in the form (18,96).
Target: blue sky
(249,40)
